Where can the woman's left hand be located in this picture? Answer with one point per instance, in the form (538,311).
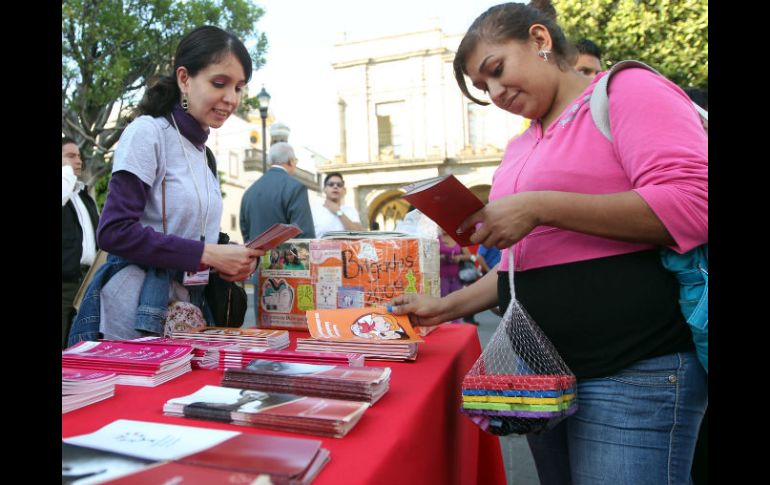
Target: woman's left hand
(234,262)
(504,221)
(242,276)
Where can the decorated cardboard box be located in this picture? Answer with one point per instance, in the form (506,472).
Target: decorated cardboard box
(303,274)
(285,290)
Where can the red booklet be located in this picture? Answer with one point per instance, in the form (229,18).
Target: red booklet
(272,410)
(447,202)
(283,458)
(238,357)
(173,472)
(273,236)
(219,456)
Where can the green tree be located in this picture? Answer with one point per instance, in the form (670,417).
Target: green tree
(110,48)
(669,35)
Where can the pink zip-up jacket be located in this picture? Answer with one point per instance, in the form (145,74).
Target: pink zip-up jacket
(660,151)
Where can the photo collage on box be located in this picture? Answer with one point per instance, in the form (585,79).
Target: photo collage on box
(285,291)
(303,274)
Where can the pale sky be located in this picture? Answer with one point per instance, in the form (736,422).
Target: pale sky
(301,35)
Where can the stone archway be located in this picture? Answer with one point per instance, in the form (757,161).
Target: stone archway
(387,209)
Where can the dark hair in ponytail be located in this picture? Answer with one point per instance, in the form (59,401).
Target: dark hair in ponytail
(198,49)
(510,21)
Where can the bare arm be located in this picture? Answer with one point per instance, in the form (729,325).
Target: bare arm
(350,225)
(623,216)
(429,310)
(347,223)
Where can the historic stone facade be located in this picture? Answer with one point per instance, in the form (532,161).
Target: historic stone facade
(403,118)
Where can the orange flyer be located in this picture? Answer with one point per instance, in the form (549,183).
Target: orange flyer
(371,325)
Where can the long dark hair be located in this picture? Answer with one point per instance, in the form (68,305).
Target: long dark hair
(198,49)
(510,21)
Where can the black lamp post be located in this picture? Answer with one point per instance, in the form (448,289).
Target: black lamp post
(264,101)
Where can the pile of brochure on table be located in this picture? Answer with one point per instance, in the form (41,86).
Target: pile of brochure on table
(338,382)
(243,337)
(128,452)
(81,387)
(373,332)
(282,412)
(237,357)
(205,353)
(136,363)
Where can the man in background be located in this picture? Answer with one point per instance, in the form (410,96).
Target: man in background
(333,215)
(276,197)
(589,58)
(79,219)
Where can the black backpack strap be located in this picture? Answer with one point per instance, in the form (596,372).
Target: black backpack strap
(212,161)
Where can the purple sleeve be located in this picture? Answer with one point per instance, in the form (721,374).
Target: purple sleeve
(121,233)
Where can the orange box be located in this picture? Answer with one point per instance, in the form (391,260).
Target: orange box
(343,273)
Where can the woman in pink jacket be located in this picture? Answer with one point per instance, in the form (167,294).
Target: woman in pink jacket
(586,218)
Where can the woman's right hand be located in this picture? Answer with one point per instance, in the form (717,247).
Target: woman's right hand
(233,262)
(430,310)
(422,309)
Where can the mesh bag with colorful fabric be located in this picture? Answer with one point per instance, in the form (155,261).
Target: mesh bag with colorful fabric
(519,384)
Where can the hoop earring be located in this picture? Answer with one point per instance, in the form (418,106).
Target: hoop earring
(544,54)
(185,104)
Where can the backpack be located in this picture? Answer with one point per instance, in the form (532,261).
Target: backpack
(226,299)
(690,268)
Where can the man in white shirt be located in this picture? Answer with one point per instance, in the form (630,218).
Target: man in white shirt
(333,215)
(79,219)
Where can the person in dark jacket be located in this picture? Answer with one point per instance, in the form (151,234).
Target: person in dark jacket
(276,197)
(79,218)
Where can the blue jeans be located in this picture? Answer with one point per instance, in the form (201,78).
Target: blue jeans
(636,427)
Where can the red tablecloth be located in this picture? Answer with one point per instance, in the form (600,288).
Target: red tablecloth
(413,435)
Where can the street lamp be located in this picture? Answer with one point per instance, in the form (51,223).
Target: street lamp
(264,101)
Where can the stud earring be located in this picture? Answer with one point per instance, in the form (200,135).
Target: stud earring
(544,54)
(185,104)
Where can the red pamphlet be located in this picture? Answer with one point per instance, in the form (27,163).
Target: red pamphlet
(124,451)
(447,202)
(273,236)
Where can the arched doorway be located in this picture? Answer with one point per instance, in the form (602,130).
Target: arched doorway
(386,210)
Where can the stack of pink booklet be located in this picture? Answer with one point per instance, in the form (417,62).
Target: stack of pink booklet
(135,363)
(237,357)
(81,387)
(206,354)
